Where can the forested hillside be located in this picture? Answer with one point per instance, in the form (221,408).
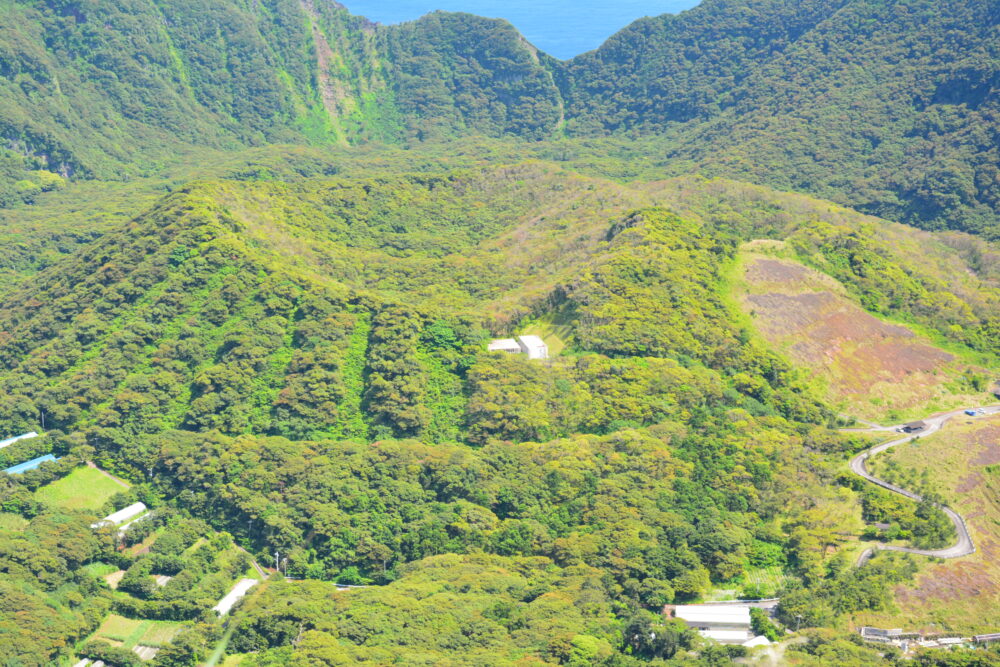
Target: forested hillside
(888,107)
(302,364)
(252,255)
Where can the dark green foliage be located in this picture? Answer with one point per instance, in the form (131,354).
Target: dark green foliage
(456,72)
(774,92)
(762,625)
(846,590)
(395,396)
(292,348)
(46,597)
(924,522)
(465,608)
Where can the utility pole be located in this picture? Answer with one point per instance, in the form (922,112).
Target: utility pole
(276,562)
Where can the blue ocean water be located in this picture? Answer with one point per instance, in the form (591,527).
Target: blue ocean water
(562,28)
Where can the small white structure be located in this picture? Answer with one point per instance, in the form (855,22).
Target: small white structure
(871,634)
(10,441)
(532,346)
(726,624)
(232,597)
(508,345)
(121,516)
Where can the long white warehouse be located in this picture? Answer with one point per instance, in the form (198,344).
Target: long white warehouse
(10,441)
(727,624)
(241,588)
(121,516)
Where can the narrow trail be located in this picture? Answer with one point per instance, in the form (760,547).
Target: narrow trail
(120,482)
(964,546)
(256,566)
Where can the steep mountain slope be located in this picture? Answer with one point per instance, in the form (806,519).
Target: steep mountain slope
(871,369)
(87,83)
(890,108)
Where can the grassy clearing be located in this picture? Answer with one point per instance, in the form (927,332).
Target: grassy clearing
(556,329)
(867,366)
(84,488)
(100,569)
(769,580)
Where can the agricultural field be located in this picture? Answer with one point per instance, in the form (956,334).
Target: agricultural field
(867,367)
(768,580)
(120,631)
(84,488)
(962,464)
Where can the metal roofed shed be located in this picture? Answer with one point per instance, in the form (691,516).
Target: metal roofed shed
(30,465)
(727,615)
(726,624)
(10,441)
(531,346)
(914,427)
(121,516)
(508,345)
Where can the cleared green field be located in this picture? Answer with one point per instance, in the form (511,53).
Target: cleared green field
(100,569)
(84,488)
(556,329)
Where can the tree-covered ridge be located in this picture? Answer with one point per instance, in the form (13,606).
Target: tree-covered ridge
(889,108)
(295,308)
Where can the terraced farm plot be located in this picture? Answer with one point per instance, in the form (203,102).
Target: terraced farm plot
(962,462)
(84,489)
(129,632)
(767,579)
(869,368)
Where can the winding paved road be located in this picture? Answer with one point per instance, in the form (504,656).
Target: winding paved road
(964,546)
